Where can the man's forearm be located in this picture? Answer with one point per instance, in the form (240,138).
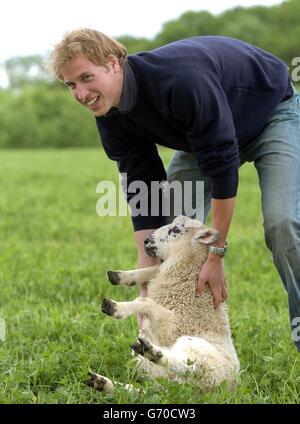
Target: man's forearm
(143,259)
(222,212)
(212,271)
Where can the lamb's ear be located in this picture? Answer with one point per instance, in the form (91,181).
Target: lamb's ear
(180,219)
(206,236)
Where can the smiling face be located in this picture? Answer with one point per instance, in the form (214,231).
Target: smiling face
(96,87)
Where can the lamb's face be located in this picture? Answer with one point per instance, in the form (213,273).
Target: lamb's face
(170,238)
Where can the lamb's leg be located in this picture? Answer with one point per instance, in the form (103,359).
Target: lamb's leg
(190,355)
(149,368)
(159,323)
(141,305)
(133,277)
(100,383)
(105,385)
(179,363)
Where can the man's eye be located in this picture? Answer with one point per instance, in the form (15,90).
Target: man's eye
(87,77)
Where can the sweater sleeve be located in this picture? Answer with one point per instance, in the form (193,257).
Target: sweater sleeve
(204,112)
(137,160)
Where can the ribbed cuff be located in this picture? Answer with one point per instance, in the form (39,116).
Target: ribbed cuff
(148,222)
(225,186)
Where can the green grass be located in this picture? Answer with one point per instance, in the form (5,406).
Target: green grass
(55,251)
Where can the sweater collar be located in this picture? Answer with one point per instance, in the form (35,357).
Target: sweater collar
(129,92)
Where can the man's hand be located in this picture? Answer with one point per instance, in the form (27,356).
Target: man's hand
(212,273)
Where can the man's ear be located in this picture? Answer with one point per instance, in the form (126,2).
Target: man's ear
(114,62)
(206,236)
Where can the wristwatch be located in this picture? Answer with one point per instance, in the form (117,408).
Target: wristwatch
(218,250)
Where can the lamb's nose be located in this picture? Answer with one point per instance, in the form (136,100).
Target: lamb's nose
(146,241)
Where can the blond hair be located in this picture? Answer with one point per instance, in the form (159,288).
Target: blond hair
(94,45)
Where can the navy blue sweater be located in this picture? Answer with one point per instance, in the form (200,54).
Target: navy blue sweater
(208,95)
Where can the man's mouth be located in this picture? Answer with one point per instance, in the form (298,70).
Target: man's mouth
(92,102)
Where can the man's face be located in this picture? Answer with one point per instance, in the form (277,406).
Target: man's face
(96,87)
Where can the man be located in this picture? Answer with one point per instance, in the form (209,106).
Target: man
(218,102)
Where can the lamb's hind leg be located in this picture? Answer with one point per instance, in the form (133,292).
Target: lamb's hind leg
(179,363)
(100,383)
(132,277)
(190,355)
(105,385)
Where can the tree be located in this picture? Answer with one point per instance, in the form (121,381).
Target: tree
(43,116)
(188,25)
(24,70)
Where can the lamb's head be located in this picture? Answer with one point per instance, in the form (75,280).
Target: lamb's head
(181,234)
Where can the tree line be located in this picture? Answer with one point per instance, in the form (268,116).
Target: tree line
(36,111)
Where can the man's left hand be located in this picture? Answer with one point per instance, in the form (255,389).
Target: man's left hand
(213,274)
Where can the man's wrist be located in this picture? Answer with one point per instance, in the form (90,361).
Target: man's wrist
(219,250)
(213,258)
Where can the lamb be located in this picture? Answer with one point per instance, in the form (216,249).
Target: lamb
(183,336)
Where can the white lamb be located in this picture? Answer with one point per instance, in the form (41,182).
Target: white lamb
(183,336)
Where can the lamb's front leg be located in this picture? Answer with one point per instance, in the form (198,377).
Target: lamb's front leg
(159,323)
(141,305)
(132,277)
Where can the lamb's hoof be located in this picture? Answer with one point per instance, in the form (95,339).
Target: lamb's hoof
(113,277)
(108,307)
(96,381)
(144,348)
(141,346)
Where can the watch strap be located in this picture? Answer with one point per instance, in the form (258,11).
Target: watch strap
(218,250)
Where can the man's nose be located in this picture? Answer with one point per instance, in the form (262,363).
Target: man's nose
(81,93)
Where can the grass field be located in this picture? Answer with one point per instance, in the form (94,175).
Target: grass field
(54,254)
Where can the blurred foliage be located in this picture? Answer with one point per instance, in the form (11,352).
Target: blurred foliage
(23,70)
(40,115)
(36,111)
(275,28)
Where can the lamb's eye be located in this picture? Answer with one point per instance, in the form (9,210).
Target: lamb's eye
(174,230)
